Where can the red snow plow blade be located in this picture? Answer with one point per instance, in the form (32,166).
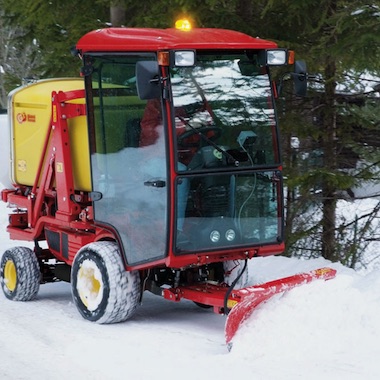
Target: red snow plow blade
(247,299)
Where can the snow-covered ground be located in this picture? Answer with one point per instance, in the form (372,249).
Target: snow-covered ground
(328,330)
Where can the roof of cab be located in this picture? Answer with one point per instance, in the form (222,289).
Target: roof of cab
(148,39)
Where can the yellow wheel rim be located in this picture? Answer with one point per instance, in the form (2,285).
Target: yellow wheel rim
(89,288)
(10,275)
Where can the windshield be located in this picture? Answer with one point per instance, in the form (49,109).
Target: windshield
(225,99)
(229,186)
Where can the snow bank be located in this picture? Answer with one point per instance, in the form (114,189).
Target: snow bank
(4,153)
(323,329)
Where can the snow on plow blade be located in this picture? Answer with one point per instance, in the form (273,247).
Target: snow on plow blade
(244,301)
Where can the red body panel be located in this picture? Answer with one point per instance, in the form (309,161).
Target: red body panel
(128,39)
(217,256)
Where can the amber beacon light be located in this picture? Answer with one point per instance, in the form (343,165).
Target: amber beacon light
(183,24)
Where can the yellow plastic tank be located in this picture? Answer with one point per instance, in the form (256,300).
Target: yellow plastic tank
(29,109)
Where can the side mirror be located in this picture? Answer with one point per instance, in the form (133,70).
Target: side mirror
(148,80)
(300,78)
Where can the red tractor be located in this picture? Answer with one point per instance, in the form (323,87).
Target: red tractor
(158,170)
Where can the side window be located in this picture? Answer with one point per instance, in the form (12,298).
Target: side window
(117,107)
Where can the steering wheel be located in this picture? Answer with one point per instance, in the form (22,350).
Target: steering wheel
(193,137)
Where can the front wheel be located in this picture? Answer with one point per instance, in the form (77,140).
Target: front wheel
(103,291)
(20,274)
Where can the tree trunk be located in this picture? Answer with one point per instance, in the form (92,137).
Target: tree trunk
(117,13)
(289,162)
(244,10)
(330,164)
(329,143)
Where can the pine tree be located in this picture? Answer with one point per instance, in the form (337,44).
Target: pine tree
(17,59)
(55,26)
(342,38)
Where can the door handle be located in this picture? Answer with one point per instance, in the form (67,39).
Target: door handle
(155,183)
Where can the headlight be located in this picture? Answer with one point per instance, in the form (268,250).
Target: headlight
(230,235)
(215,236)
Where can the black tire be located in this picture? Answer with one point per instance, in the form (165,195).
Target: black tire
(203,306)
(103,291)
(20,274)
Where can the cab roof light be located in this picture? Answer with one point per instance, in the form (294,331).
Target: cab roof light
(184,58)
(277,57)
(273,57)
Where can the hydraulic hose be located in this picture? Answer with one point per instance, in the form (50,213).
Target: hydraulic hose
(229,290)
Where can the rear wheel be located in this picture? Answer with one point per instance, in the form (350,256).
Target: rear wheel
(103,291)
(20,274)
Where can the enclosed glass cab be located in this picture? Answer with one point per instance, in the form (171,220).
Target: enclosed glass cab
(184,158)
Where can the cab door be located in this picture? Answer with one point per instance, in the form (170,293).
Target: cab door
(128,158)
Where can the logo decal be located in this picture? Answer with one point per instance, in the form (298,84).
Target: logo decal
(22,117)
